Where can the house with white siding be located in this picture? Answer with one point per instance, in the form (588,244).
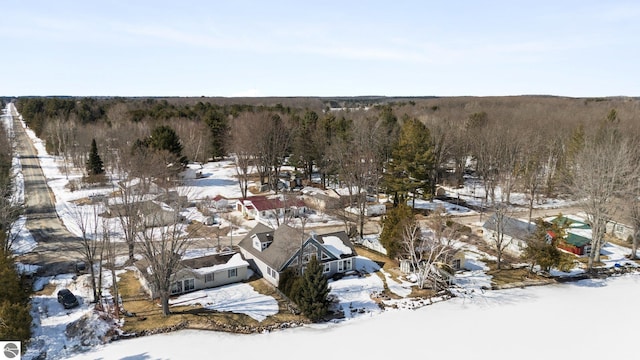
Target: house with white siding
(262,208)
(201,273)
(515,232)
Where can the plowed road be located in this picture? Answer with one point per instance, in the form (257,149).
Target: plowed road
(57,248)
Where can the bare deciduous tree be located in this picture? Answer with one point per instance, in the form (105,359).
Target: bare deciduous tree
(634,215)
(486,150)
(11,206)
(9,214)
(604,170)
(359,164)
(126,209)
(500,241)
(532,170)
(195,137)
(91,249)
(272,140)
(243,149)
(431,249)
(110,262)
(163,248)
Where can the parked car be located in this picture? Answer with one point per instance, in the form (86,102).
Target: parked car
(81,267)
(67,299)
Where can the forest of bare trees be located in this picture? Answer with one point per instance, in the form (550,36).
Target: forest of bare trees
(540,145)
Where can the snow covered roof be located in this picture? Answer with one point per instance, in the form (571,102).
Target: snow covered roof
(217,262)
(335,245)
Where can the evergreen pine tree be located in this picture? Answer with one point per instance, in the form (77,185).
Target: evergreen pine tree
(412,160)
(219,127)
(94,163)
(165,138)
(15,303)
(392,225)
(540,251)
(313,299)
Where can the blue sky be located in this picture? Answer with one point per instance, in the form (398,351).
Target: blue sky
(321,48)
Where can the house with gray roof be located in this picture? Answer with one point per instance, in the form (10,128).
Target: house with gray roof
(515,232)
(271,251)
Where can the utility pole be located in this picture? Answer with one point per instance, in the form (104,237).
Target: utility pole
(303,220)
(218,236)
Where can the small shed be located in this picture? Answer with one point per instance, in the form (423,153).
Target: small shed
(220,202)
(154,213)
(458,261)
(578,236)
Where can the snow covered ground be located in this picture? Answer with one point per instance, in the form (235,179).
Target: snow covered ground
(473,193)
(236,298)
(544,322)
(451,209)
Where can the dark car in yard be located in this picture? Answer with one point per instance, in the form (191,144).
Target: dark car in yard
(67,299)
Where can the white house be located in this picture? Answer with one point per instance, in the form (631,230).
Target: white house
(200,273)
(155,213)
(220,202)
(137,186)
(321,200)
(515,232)
(262,208)
(369,209)
(619,230)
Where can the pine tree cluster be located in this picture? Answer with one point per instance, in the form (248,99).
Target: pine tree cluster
(15,306)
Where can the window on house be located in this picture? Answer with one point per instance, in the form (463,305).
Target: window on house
(456,264)
(324,256)
(344,265)
(209,277)
(189,284)
(327,268)
(232,273)
(347,264)
(176,288)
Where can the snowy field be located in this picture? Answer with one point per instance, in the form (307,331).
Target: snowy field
(473,193)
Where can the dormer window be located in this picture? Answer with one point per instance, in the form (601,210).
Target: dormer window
(261,241)
(257,244)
